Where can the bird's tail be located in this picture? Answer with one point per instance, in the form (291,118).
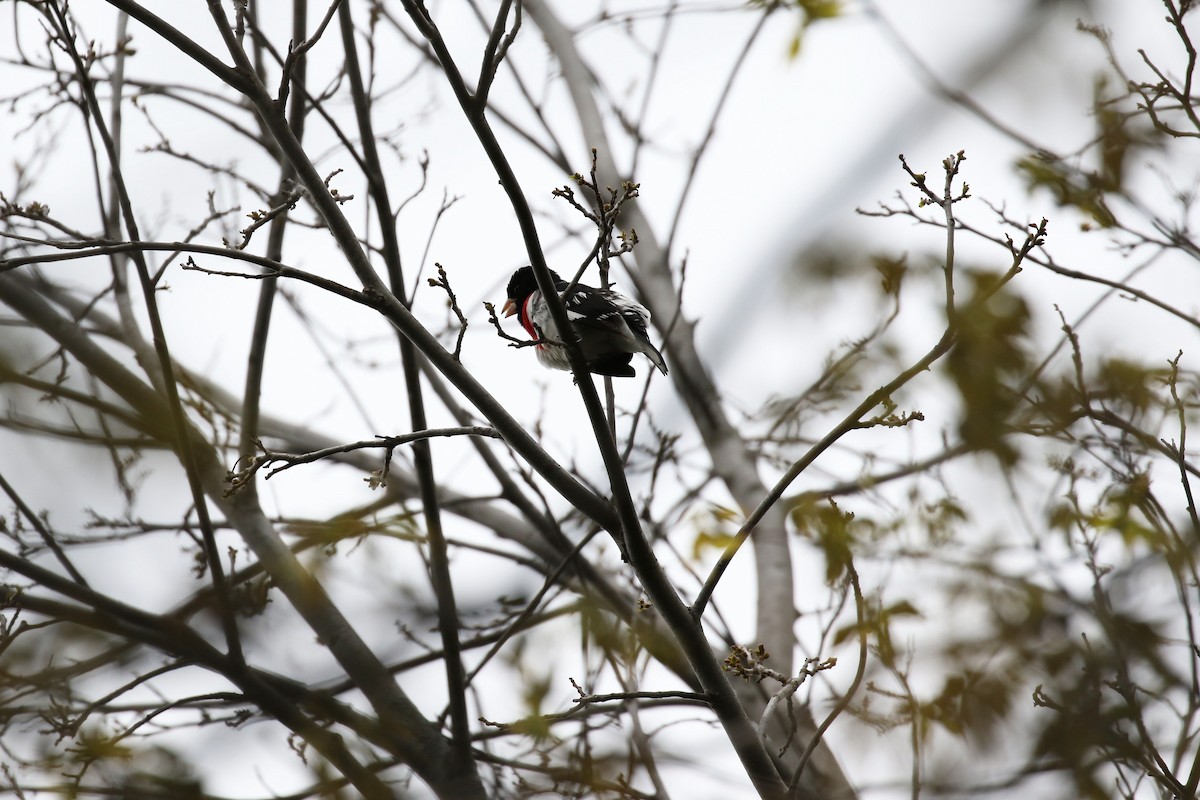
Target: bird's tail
(656,357)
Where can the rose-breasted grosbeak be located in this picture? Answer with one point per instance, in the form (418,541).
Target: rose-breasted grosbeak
(611,327)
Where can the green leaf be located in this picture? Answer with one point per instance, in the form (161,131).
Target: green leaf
(710,541)
(820,9)
(1070,187)
(1126,381)
(989,351)
(717,526)
(877,623)
(891,272)
(830,529)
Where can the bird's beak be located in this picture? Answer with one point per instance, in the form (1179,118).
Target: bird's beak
(510,307)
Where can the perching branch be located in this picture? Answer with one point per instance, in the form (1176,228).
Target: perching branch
(249,465)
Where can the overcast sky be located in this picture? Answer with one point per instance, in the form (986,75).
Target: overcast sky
(804,141)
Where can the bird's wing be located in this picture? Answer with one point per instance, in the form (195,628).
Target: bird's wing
(593,308)
(635,314)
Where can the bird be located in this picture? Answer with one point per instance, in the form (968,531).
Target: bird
(611,327)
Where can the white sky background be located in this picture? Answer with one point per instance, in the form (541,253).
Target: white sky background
(802,143)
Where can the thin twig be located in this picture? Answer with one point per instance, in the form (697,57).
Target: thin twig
(443,282)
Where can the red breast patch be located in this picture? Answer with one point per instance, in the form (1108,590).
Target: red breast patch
(526,321)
